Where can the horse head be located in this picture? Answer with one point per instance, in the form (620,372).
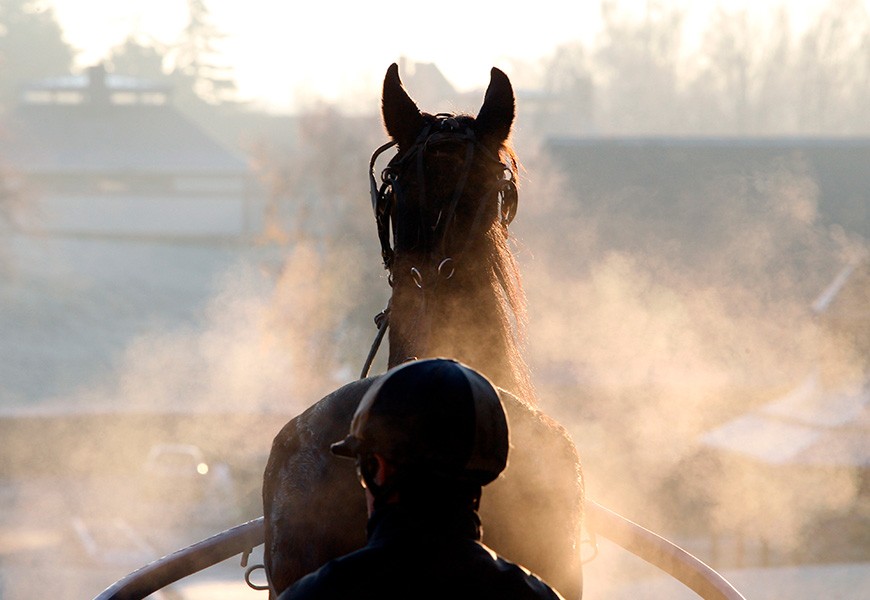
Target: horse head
(443,208)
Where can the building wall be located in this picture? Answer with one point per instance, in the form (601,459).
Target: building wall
(169,206)
(121,215)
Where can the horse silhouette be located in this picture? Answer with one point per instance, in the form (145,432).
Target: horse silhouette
(442,211)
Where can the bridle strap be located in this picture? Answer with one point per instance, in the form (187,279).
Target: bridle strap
(446,221)
(382,320)
(388,198)
(381,200)
(372,183)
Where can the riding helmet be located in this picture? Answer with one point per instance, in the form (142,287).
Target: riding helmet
(434,415)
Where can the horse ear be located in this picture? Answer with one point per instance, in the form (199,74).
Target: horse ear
(496,116)
(402,118)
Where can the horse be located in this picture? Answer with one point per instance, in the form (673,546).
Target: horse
(442,214)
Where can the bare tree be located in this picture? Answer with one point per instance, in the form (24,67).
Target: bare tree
(637,66)
(776,98)
(317,205)
(31,46)
(138,58)
(747,76)
(730,53)
(834,70)
(742,77)
(198,57)
(567,102)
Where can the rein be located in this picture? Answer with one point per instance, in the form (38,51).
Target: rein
(389,201)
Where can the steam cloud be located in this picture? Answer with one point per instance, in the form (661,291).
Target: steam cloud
(641,347)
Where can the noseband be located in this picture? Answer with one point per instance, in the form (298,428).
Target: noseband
(390,199)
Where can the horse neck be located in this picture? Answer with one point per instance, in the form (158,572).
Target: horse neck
(465,318)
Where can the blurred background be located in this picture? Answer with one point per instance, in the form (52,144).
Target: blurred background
(188,260)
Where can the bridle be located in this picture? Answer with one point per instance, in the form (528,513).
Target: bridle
(389,201)
(390,204)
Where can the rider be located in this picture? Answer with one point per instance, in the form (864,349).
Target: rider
(426,437)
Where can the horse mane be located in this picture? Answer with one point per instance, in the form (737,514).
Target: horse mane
(489,302)
(507,285)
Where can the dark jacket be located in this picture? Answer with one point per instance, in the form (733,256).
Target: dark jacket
(420,555)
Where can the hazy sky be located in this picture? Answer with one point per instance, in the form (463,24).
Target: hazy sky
(284,50)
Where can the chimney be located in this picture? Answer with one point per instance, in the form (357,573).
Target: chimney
(98,91)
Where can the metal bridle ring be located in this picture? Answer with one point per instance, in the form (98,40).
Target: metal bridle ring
(449,263)
(507,202)
(388,175)
(251,584)
(417,276)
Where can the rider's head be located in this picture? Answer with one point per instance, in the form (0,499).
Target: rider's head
(437,424)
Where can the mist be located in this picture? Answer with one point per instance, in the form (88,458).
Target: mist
(640,351)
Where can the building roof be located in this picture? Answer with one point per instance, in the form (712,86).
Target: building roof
(669,168)
(813,424)
(76,138)
(81,82)
(107,123)
(809,426)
